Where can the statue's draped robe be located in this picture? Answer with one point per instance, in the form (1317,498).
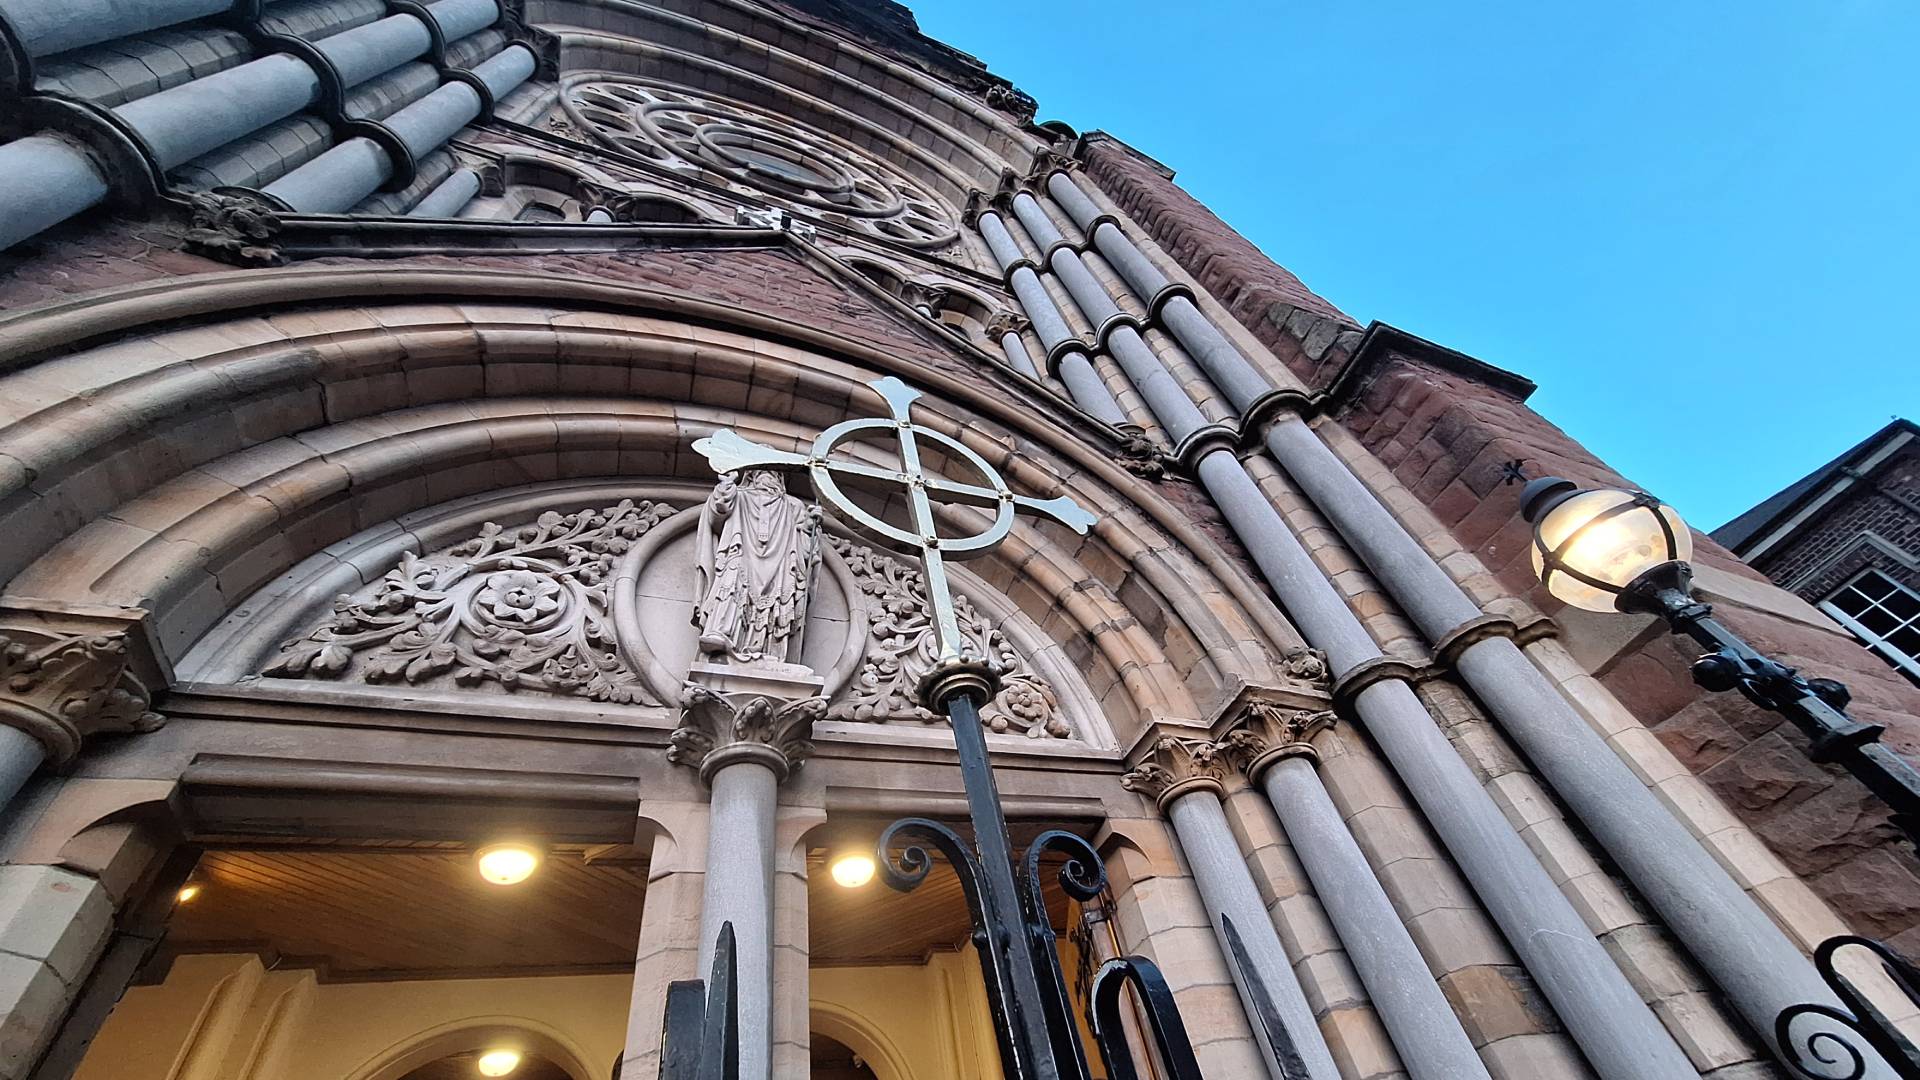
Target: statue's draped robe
(756,571)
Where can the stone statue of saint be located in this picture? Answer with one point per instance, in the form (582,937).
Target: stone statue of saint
(758,550)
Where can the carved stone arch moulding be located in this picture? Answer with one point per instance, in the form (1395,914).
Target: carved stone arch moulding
(778,159)
(585,596)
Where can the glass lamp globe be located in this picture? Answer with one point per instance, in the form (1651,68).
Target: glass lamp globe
(1588,546)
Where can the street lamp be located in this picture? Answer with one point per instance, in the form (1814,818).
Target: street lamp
(1604,549)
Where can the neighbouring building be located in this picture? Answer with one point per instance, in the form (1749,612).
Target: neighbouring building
(353,544)
(1846,538)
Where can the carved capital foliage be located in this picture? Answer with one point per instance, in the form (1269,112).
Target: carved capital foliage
(62,688)
(233,226)
(1047,162)
(1269,731)
(717,728)
(1175,766)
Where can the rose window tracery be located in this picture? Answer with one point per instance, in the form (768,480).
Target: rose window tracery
(797,167)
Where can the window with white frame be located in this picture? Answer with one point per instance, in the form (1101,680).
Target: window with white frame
(1883,613)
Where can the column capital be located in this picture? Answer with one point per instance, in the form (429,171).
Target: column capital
(718,728)
(61,688)
(1176,766)
(1046,162)
(1006,322)
(1268,731)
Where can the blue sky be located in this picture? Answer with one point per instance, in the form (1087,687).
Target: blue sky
(1694,224)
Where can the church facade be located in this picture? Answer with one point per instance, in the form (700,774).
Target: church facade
(391,688)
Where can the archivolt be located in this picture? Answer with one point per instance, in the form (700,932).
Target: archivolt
(201,461)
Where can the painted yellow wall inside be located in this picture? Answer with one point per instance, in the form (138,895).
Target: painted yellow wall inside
(224,1017)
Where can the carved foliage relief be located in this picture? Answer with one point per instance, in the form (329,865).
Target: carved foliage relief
(523,609)
(529,609)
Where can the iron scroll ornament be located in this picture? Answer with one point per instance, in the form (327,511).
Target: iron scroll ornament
(904,863)
(1809,1057)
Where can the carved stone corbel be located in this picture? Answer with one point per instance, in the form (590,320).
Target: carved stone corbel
(62,688)
(978,202)
(1307,665)
(718,728)
(1177,766)
(1013,101)
(1269,731)
(1139,454)
(233,226)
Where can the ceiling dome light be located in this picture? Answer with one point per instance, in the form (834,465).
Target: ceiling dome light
(506,864)
(499,1062)
(186,893)
(852,870)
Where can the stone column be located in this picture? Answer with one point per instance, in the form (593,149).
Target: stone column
(1752,961)
(338,179)
(1620,1035)
(45,28)
(1271,745)
(46,181)
(449,196)
(1005,328)
(1066,355)
(1184,776)
(744,734)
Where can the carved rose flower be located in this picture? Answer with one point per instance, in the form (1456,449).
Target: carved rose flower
(1027,703)
(520,596)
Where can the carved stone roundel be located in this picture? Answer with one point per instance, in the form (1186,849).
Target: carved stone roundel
(797,167)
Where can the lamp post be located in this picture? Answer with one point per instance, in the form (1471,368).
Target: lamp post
(1604,549)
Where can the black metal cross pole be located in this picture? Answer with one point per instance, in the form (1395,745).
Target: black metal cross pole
(1033,1017)
(1002,936)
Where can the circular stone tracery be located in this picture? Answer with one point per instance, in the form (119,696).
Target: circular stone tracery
(802,169)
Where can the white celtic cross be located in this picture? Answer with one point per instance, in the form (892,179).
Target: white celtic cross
(727,452)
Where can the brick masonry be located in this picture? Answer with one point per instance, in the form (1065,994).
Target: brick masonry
(1822,556)
(1444,430)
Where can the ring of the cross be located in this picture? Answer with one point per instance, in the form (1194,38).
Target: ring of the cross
(991,491)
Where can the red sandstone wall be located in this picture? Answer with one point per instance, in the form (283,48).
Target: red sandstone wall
(1445,435)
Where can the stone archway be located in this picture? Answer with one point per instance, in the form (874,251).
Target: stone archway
(863,1037)
(476,1033)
